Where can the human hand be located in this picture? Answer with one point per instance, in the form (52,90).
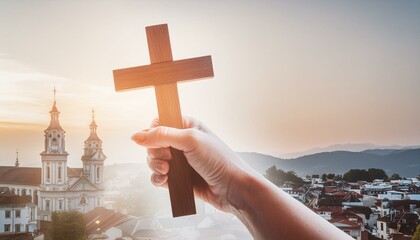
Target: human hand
(214,161)
(231,185)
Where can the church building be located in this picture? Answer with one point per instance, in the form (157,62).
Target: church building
(64,188)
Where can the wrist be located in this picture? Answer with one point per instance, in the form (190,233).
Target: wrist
(241,192)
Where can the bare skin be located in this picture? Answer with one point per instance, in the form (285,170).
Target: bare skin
(230,185)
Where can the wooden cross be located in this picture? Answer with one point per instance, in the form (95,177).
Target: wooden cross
(163,73)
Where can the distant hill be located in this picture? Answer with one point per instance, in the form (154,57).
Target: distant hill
(350,147)
(405,162)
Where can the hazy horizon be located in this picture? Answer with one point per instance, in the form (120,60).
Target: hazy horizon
(290,76)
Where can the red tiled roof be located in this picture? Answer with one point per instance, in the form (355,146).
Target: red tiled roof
(15,200)
(330,190)
(101,219)
(358,210)
(74,172)
(29,175)
(333,209)
(20,175)
(349,224)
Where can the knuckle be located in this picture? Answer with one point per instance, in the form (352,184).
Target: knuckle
(192,135)
(162,132)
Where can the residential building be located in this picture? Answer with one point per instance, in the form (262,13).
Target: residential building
(17,214)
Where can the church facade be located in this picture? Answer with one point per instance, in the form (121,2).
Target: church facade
(61,187)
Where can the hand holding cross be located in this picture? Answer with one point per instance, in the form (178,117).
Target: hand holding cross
(163,73)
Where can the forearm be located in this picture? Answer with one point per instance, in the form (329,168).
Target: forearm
(270,213)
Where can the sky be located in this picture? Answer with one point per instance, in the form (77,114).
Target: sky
(289,75)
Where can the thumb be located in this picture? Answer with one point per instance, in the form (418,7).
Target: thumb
(163,137)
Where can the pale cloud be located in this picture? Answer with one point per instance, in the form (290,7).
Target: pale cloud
(24,91)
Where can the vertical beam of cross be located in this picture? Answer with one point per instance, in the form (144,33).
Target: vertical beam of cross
(163,73)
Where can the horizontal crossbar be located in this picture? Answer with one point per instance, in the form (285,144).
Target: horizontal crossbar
(163,73)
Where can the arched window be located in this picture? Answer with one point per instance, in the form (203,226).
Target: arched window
(54,144)
(23,192)
(83,200)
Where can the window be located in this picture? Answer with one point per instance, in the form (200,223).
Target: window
(47,205)
(17,213)
(7,214)
(60,204)
(17,227)
(69,204)
(98,176)
(7,227)
(98,202)
(48,173)
(54,144)
(382,226)
(59,173)
(83,200)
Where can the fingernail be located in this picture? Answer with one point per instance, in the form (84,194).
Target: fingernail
(158,167)
(140,136)
(159,178)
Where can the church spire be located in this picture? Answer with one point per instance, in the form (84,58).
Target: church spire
(17,158)
(93,157)
(93,136)
(54,123)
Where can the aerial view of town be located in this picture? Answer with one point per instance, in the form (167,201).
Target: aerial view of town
(114,202)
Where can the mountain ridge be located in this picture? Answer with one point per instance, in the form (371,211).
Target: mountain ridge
(405,162)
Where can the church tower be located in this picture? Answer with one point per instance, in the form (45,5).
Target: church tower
(54,156)
(93,157)
(54,181)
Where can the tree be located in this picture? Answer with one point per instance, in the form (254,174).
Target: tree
(279,177)
(67,225)
(416,235)
(376,173)
(395,176)
(371,174)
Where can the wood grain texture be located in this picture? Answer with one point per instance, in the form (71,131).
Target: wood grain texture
(180,182)
(163,73)
(179,176)
(159,43)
